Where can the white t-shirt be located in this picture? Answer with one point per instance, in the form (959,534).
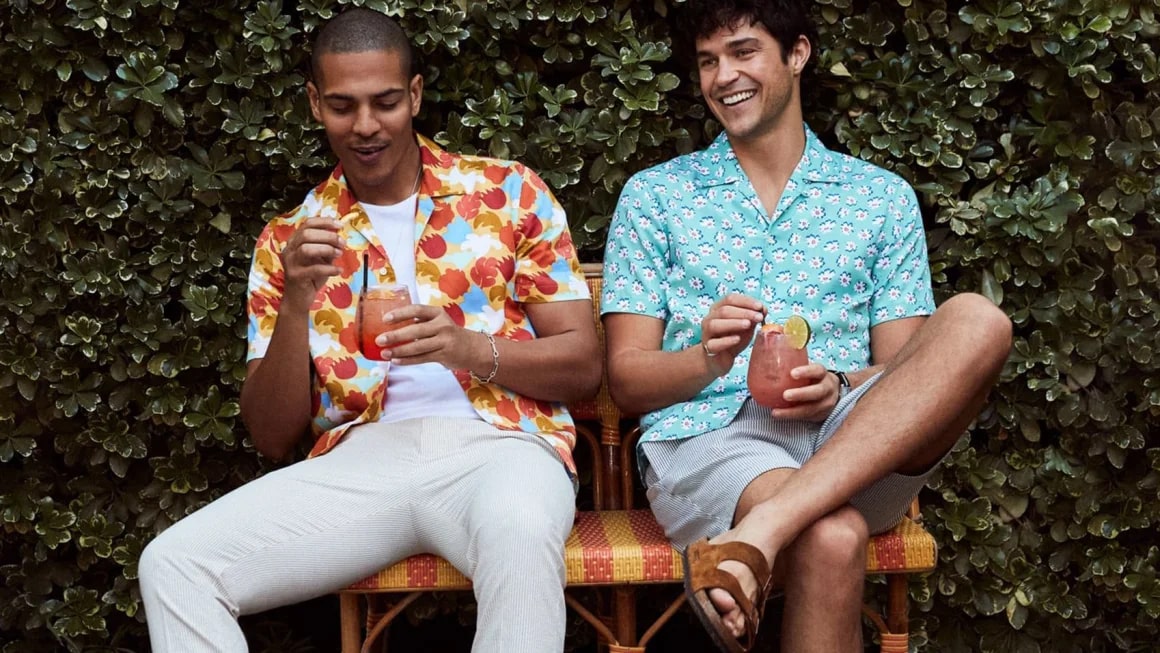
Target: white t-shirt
(427,389)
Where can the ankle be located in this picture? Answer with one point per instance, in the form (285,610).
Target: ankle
(767,520)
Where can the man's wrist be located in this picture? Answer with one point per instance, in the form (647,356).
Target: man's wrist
(712,361)
(297,296)
(298,305)
(488,360)
(843,382)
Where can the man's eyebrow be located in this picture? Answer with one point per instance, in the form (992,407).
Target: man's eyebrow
(388,94)
(732,45)
(748,40)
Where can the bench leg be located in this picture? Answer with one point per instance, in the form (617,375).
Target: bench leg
(895,643)
(894,629)
(350,617)
(380,627)
(624,609)
(897,614)
(606,635)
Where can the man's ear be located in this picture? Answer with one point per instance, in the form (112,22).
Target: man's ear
(799,55)
(315,100)
(416,91)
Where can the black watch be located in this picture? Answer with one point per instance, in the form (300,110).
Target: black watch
(843,383)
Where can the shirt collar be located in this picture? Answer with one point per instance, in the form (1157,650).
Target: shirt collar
(717,164)
(436,162)
(438,181)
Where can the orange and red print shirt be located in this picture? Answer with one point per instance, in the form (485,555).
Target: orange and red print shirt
(490,238)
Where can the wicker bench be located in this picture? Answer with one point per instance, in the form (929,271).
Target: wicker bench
(618,548)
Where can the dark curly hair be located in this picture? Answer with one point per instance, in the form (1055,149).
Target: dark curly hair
(785,20)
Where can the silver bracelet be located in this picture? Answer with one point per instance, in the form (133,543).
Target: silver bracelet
(494,360)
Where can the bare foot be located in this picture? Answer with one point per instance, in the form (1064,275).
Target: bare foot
(731,613)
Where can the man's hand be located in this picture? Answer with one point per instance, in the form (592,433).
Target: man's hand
(813,402)
(727,329)
(434,338)
(309,259)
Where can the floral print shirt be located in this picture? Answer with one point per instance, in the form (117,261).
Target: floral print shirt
(844,248)
(490,237)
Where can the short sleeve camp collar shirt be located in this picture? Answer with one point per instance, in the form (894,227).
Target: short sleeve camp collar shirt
(844,248)
(490,237)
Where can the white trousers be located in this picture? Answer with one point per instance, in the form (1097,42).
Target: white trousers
(497,505)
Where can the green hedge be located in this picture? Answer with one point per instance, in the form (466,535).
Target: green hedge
(143,144)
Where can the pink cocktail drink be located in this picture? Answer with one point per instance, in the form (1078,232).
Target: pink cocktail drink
(773,357)
(373,307)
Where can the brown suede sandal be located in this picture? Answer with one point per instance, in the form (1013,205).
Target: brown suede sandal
(701,575)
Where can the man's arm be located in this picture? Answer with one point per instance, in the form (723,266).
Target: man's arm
(562,363)
(886,340)
(644,378)
(275,399)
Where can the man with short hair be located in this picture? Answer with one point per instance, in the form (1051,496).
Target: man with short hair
(765,224)
(429,449)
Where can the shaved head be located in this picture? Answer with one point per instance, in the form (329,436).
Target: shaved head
(360,30)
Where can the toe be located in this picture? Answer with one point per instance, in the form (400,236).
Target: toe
(735,622)
(727,605)
(723,601)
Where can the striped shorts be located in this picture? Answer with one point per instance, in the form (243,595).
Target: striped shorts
(694,484)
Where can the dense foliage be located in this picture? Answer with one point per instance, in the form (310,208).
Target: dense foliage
(143,144)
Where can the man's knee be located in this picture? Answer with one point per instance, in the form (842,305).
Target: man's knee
(518,555)
(835,542)
(510,515)
(528,543)
(169,558)
(159,560)
(989,326)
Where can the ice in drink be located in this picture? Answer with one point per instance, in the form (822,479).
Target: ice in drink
(373,307)
(775,354)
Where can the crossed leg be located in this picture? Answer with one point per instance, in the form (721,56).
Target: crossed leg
(821,572)
(928,395)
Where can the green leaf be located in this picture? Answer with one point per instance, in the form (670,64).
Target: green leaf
(992,289)
(1101,24)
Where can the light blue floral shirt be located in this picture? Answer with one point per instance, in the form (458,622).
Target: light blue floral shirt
(844,249)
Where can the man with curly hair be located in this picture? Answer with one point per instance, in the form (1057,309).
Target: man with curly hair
(764,224)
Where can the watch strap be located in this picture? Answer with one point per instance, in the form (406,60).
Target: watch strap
(843,380)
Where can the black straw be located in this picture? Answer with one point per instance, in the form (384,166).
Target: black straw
(362,294)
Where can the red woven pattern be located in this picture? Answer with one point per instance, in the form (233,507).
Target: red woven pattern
(618,546)
(604,547)
(627,546)
(904,548)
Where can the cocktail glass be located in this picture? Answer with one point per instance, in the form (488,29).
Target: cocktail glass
(373,306)
(774,355)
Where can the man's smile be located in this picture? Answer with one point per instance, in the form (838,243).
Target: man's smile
(737,98)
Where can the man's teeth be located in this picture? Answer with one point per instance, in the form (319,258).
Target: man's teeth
(730,100)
